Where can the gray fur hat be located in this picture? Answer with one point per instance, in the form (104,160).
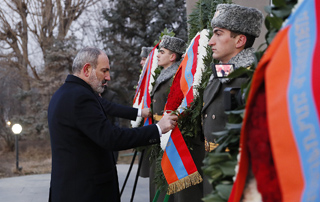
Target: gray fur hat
(237,18)
(145,51)
(173,43)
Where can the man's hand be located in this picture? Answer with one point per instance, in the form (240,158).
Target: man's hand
(146,113)
(168,122)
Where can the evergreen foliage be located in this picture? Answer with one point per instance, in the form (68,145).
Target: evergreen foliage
(280,11)
(131,25)
(201,16)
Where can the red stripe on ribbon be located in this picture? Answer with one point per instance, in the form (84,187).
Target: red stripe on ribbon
(189,96)
(316,61)
(183,151)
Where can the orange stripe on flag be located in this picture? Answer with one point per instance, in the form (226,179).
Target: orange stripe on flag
(183,83)
(281,136)
(169,172)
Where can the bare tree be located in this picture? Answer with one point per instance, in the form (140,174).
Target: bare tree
(44,26)
(46,21)
(9,104)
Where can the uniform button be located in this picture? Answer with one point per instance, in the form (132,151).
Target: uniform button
(213,116)
(206,115)
(154,100)
(203,104)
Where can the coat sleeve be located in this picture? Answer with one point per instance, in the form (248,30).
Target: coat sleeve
(118,110)
(92,122)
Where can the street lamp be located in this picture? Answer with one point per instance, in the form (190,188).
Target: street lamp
(16,129)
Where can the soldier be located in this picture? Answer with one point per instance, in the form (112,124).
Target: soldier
(144,54)
(169,56)
(145,165)
(234,31)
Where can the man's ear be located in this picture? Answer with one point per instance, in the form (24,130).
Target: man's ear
(86,69)
(173,57)
(241,41)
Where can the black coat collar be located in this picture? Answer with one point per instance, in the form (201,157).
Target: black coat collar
(74,79)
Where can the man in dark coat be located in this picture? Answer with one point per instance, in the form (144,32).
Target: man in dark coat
(82,137)
(234,31)
(112,96)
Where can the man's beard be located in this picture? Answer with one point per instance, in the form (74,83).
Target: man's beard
(95,84)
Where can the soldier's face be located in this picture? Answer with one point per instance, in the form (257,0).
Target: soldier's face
(165,57)
(223,45)
(143,61)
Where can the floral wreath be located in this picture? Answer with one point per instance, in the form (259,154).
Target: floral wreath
(137,103)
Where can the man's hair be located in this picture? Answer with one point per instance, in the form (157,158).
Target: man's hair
(86,55)
(250,38)
(178,56)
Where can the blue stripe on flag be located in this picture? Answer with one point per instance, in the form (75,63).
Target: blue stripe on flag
(175,160)
(302,109)
(187,72)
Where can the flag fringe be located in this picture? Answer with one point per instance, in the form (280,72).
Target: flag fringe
(192,179)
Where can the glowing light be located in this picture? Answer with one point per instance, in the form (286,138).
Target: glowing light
(16,128)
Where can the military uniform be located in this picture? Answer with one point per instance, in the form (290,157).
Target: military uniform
(238,20)
(160,92)
(213,114)
(159,96)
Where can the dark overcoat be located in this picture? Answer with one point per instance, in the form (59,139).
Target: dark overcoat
(213,114)
(83,141)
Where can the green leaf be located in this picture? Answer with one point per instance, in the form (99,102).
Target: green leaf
(220,133)
(228,168)
(234,118)
(231,126)
(218,157)
(224,191)
(241,111)
(213,198)
(239,72)
(279,2)
(285,12)
(271,35)
(275,22)
(213,172)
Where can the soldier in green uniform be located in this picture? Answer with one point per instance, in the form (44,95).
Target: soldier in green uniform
(169,56)
(234,31)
